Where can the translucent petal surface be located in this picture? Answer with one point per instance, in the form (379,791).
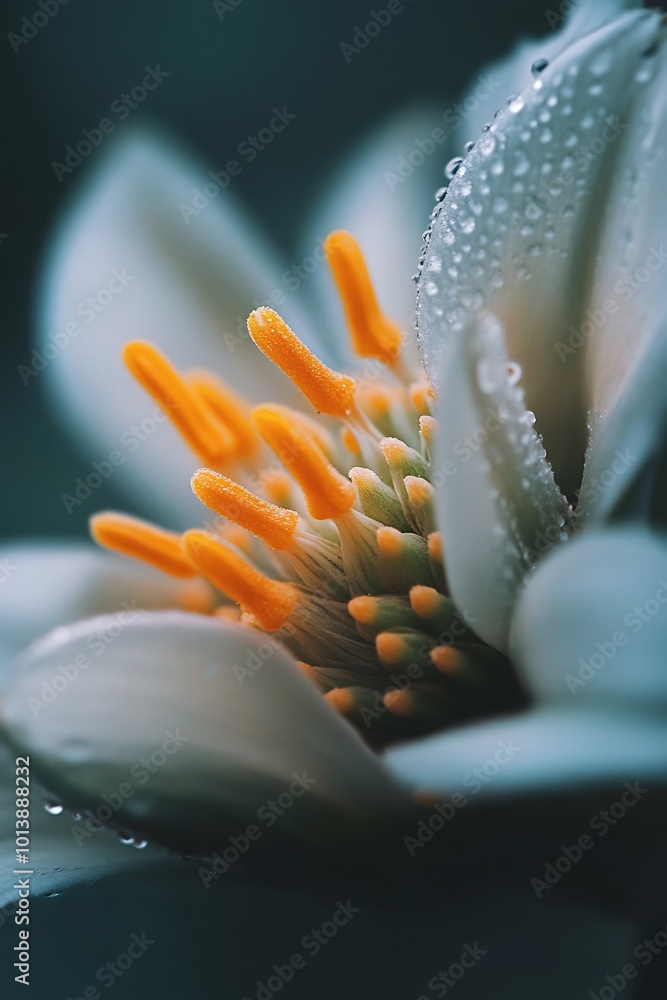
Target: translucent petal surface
(206,721)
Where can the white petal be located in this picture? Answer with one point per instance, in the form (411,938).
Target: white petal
(63,851)
(46,585)
(547,750)
(589,636)
(498,506)
(383,197)
(512,74)
(192,286)
(600,600)
(625,337)
(520,228)
(169,703)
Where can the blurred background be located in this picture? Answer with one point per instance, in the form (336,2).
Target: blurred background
(228,67)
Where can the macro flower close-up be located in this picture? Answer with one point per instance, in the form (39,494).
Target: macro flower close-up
(366,642)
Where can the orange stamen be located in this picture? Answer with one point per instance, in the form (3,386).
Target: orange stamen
(350,442)
(328,494)
(274,525)
(421,397)
(269,602)
(373,334)
(230,408)
(340,699)
(278,488)
(425,601)
(328,391)
(390,541)
(210,439)
(435,548)
(363,609)
(398,702)
(427,428)
(390,647)
(136,538)
(445,659)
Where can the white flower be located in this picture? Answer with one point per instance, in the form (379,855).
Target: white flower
(219,716)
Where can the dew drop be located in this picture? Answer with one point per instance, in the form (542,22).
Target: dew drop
(140,843)
(469,146)
(601,64)
(539,66)
(516,105)
(441,194)
(468,225)
(53,807)
(453,167)
(487,145)
(125,837)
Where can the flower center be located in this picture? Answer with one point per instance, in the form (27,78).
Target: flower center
(335,553)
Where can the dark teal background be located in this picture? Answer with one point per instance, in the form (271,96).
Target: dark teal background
(224,75)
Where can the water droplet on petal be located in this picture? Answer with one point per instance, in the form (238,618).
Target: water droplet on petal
(453,167)
(53,807)
(140,843)
(539,66)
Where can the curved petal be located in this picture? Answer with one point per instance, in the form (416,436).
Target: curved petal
(625,341)
(383,196)
(598,608)
(128,261)
(521,226)
(512,74)
(63,851)
(589,635)
(498,506)
(208,722)
(45,585)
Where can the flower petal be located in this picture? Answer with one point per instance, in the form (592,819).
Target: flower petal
(625,342)
(589,635)
(45,585)
(187,285)
(601,599)
(206,720)
(498,506)
(383,197)
(63,851)
(519,230)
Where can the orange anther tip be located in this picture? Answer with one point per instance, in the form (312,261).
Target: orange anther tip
(435,549)
(390,647)
(398,702)
(372,334)
(424,601)
(419,490)
(340,699)
(362,609)
(208,437)
(445,659)
(350,441)
(269,602)
(327,390)
(328,493)
(393,449)
(390,541)
(274,525)
(143,541)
